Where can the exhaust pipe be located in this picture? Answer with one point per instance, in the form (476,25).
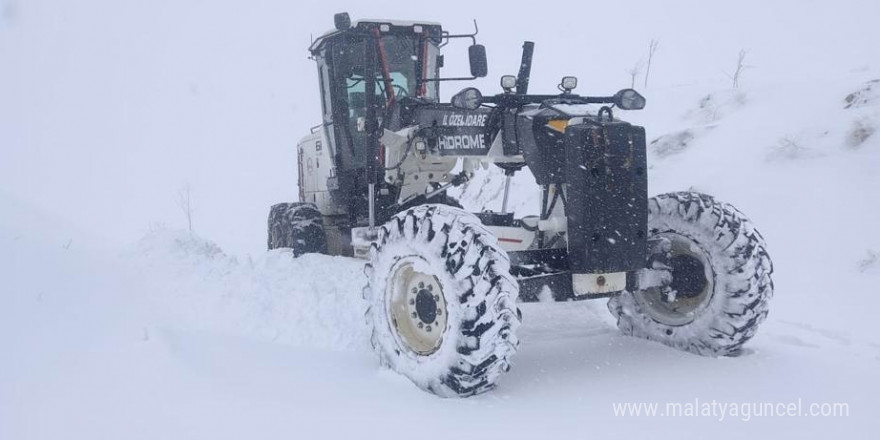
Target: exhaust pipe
(525,68)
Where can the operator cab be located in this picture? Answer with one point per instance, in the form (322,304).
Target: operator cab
(407,65)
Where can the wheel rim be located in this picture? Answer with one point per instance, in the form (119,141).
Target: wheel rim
(692,286)
(416,306)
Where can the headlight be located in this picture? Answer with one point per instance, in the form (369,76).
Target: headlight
(508,82)
(569,83)
(629,99)
(469,98)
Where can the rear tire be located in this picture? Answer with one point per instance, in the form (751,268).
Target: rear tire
(721,278)
(442,302)
(297,226)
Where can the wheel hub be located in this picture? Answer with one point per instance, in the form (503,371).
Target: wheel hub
(688,275)
(426,306)
(691,288)
(417,307)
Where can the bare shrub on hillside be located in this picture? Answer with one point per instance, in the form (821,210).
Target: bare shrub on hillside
(633,73)
(861,130)
(652,47)
(715,106)
(741,66)
(789,148)
(863,96)
(672,143)
(184,202)
(870,262)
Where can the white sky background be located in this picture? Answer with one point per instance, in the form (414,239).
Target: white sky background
(109,107)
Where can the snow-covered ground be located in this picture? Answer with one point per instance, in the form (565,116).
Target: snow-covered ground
(114,323)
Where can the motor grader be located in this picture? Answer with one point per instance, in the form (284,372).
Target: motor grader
(443,284)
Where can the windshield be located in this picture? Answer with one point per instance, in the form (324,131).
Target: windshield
(404,64)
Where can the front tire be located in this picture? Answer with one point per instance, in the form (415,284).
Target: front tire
(442,302)
(721,278)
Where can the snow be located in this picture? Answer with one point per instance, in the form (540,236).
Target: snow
(257,297)
(114,326)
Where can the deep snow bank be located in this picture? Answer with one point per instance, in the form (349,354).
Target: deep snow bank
(314,300)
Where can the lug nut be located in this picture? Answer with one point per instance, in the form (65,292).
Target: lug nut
(431,287)
(414,290)
(421,285)
(439,312)
(421,325)
(428,329)
(436,297)
(413,314)
(412,301)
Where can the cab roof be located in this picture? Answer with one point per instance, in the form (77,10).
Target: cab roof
(366,25)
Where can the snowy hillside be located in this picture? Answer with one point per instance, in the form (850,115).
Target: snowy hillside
(115,323)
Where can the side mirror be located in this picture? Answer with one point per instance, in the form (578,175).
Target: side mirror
(629,99)
(479,65)
(469,98)
(342,21)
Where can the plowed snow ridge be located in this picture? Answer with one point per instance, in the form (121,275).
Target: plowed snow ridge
(308,301)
